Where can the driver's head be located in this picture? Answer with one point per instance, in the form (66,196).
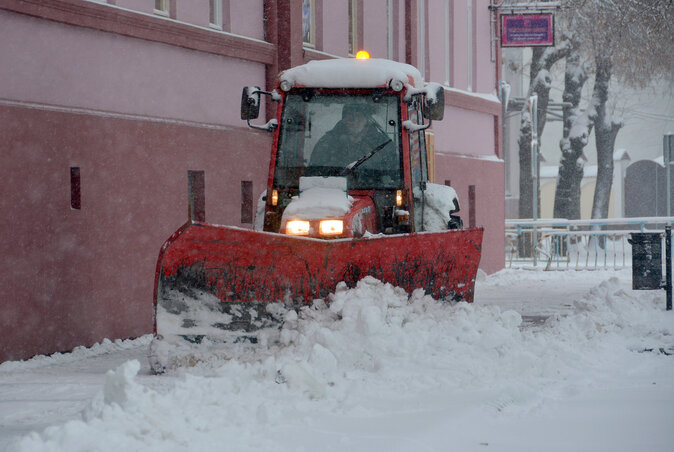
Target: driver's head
(354,117)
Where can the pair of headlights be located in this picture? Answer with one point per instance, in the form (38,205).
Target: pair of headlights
(325,227)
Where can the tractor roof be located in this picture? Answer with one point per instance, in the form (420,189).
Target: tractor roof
(351,73)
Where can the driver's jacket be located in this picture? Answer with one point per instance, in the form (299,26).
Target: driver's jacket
(336,149)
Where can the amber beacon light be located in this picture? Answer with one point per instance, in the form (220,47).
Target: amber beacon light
(363,55)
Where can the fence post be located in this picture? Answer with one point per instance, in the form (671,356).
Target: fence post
(668,264)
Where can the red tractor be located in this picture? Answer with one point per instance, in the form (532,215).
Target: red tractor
(348,196)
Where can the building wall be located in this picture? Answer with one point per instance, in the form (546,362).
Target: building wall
(489,209)
(84,68)
(547,195)
(73,277)
(135,101)
(335,21)
(375,38)
(134,112)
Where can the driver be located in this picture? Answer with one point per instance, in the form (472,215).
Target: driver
(352,137)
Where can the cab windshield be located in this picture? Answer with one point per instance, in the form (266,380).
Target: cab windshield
(325,134)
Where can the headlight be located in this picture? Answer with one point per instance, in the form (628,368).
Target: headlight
(297,227)
(331,227)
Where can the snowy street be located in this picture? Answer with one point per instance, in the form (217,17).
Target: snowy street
(555,361)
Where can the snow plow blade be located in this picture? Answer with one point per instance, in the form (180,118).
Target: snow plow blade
(213,280)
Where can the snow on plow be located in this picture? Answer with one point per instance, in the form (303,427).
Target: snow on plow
(212,280)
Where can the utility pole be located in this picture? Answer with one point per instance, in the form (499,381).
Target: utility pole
(533,112)
(504,94)
(668,153)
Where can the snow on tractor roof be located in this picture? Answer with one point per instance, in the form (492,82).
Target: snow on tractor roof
(351,73)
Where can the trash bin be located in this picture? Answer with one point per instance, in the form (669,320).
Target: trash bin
(646,260)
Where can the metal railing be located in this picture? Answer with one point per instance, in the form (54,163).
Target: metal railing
(575,244)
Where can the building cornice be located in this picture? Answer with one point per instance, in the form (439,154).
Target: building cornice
(134,24)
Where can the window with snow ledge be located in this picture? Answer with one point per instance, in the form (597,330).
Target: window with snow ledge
(448,43)
(215,14)
(389,29)
(353,27)
(308,24)
(162,7)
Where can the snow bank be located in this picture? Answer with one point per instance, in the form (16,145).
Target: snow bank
(368,352)
(79,353)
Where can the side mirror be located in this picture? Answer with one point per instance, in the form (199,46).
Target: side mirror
(434,102)
(250,102)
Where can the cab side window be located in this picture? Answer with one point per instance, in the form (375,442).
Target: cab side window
(417,145)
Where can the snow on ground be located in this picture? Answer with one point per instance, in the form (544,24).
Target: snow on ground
(555,361)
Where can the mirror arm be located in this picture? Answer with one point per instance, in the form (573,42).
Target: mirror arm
(416,127)
(269,127)
(259,91)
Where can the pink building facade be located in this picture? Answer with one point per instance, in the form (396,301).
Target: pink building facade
(109,109)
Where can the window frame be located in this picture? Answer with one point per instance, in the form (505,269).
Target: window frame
(285,151)
(471,45)
(162,8)
(352,17)
(311,43)
(215,12)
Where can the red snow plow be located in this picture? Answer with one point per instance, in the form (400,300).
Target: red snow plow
(348,196)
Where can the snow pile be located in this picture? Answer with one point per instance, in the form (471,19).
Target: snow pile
(198,414)
(364,353)
(610,314)
(439,201)
(351,73)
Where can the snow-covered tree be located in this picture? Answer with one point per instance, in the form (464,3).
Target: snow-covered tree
(630,40)
(576,129)
(543,58)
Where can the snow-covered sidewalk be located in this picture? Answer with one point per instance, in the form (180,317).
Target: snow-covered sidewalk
(566,361)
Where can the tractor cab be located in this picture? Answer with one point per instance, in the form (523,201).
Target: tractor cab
(368,131)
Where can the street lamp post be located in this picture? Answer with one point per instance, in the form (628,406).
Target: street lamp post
(533,112)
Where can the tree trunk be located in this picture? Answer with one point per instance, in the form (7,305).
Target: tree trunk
(577,128)
(606,131)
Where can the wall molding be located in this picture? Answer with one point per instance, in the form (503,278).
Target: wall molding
(81,111)
(467,101)
(108,18)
